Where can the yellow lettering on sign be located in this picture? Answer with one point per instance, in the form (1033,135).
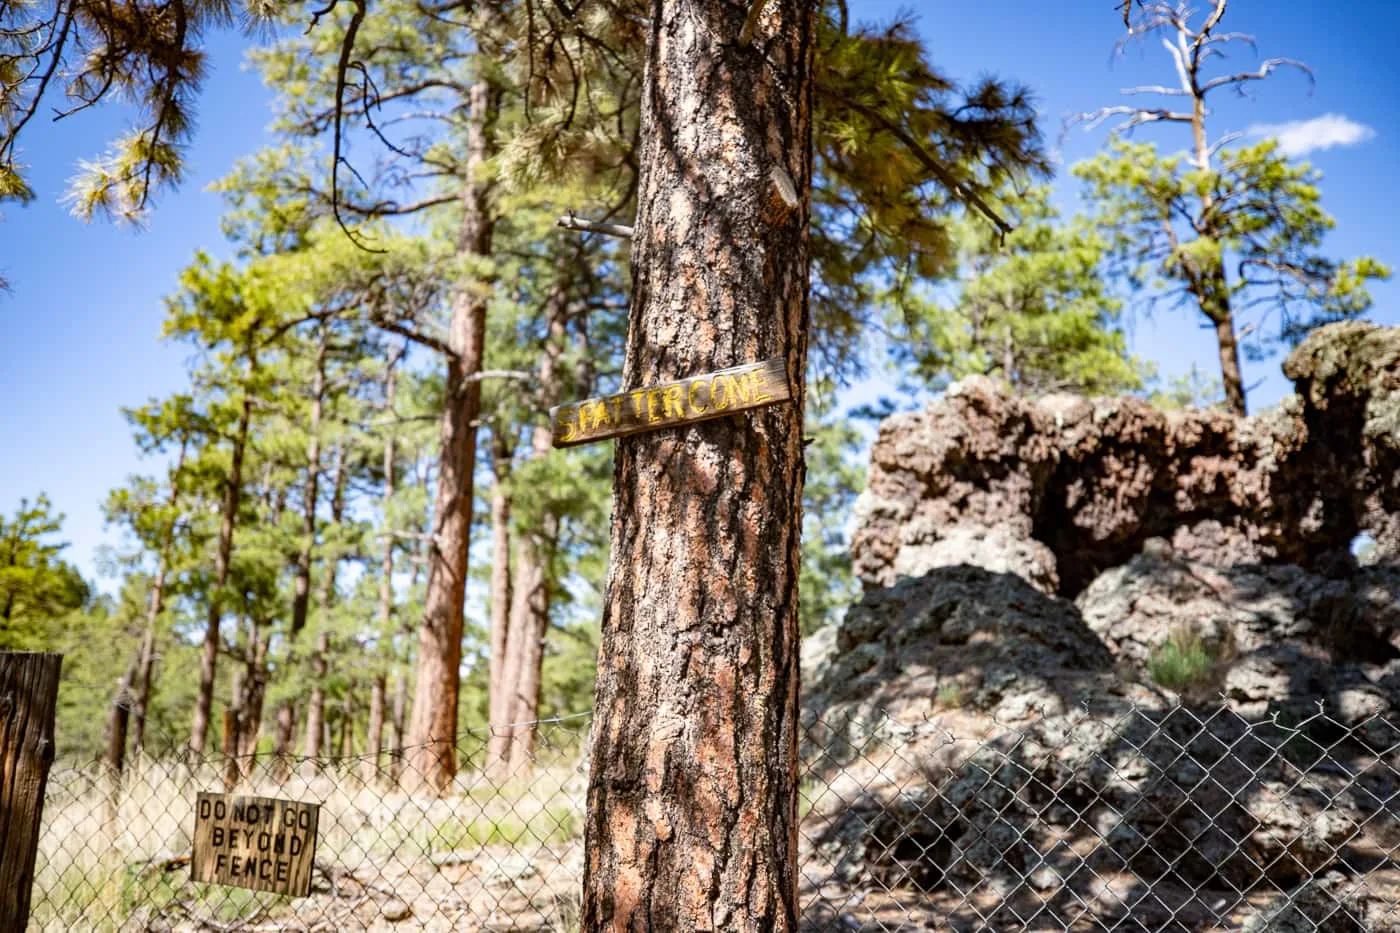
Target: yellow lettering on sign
(739,387)
(568,419)
(697,409)
(671,402)
(721,401)
(682,401)
(756,386)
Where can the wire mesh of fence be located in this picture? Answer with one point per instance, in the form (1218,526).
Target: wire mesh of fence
(1160,819)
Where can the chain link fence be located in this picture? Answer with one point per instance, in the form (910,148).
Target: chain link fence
(1162,819)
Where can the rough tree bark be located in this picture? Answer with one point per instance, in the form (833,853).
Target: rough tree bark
(497,694)
(692,797)
(529,611)
(28,702)
(233,487)
(432,754)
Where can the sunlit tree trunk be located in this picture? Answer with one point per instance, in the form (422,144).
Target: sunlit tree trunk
(530,597)
(400,710)
(233,487)
(498,700)
(432,752)
(374,736)
(286,732)
(316,743)
(145,665)
(691,819)
(301,582)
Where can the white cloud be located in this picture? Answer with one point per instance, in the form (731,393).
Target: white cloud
(1299,137)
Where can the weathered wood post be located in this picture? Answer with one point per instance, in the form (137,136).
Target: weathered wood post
(28,697)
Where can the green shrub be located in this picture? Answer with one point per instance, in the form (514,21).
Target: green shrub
(1183,662)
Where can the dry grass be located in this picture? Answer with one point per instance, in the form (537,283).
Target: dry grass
(112,858)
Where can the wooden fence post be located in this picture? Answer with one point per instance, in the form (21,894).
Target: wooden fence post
(28,697)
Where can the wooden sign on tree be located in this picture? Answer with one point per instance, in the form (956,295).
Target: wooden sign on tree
(687,401)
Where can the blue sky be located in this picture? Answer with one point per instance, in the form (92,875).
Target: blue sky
(81,324)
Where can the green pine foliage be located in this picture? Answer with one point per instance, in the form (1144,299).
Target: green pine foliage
(835,476)
(1255,218)
(38,589)
(1032,311)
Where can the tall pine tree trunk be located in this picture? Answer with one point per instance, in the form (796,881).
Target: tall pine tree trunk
(286,732)
(301,580)
(347,722)
(145,665)
(386,584)
(118,718)
(529,616)
(233,487)
(498,696)
(316,703)
(301,583)
(692,797)
(251,718)
(400,711)
(316,743)
(1213,291)
(1230,374)
(374,736)
(432,761)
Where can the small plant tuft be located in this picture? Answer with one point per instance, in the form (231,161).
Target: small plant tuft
(1184,662)
(950,696)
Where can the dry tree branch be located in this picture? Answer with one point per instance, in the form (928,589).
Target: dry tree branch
(932,165)
(1155,89)
(1264,70)
(56,51)
(426,340)
(347,46)
(1137,116)
(570,222)
(167,105)
(1212,21)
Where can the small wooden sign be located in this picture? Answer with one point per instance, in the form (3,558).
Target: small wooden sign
(698,398)
(255,842)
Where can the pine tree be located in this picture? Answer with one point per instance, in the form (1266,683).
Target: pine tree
(1031,309)
(1182,224)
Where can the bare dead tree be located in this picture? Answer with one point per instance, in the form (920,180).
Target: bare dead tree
(1185,221)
